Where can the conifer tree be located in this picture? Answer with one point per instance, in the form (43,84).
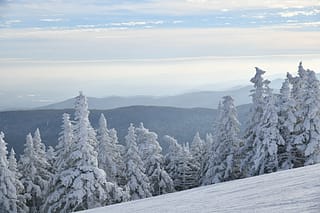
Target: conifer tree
(21,198)
(138,182)
(198,152)
(33,183)
(252,132)
(268,138)
(150,152)
(8,194)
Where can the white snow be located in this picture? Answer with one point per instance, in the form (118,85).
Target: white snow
(296,190)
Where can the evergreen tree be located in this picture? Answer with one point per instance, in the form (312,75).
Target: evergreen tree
(287,120)
(21,198)
(150,152)
(106,151)
(268,138)
(198,153)
(252,132)
(33,183)
(138,182)
(8,194)
(206,157)
(180,165)
(81,184)
(64,143)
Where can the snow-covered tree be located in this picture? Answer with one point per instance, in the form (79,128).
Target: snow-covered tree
(252,132)
(206,157)
(180,165)
(41,162)
(150,152)
(109,152)
(268,138)
(81,184)
(64,143)
(287,120)
(224,160)
(21,198)
(138,182)
(306,136)
(198,152)
(33,183)
(8,194)
(187,171)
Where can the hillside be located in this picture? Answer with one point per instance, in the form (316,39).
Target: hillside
(178,122)
(296,190)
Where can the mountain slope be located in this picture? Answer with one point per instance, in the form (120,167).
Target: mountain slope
(178,122)
(296,190)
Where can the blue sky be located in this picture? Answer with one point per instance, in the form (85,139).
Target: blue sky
(142,47)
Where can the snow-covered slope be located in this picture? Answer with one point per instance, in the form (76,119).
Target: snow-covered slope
(296,190)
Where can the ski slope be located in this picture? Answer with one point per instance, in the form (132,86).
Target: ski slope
(296,190)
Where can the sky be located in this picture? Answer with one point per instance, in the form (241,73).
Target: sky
(49,50)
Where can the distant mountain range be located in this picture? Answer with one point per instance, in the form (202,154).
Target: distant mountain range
(202,99)
(178,122)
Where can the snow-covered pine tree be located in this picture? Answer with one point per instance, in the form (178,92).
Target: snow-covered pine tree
(64,143)
(287,120)
(119,152)
(305,91)
(206,158)
(41,163)
(32,181)
(251,135)
(198,152)
(8,194)
(180,165)
(312,121)
(150,152)
(106,151)
(81,184)
(268,138)
(138,182)
(172,158)
(21,198)
(187,170)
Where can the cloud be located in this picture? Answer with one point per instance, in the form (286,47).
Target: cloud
(287,14)
(51,19)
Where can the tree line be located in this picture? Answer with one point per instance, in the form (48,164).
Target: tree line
(89,167)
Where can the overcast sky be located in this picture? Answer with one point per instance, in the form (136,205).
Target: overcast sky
(51,49)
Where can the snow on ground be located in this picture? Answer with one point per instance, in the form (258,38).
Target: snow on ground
(296,190)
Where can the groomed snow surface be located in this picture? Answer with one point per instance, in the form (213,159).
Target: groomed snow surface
(296,190)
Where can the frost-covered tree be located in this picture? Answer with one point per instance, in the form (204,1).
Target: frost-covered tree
(8,194)
(150,152)
(138,182)
(64,143)
(224,161)
(33,183)
(206,157)
(109,152)
(198,152)
(21,198)
(305,137)
(251,135)
(268,138)
(81,184)
(41,162)
(180,165)
(287,120)
(187,170)
(51,156)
